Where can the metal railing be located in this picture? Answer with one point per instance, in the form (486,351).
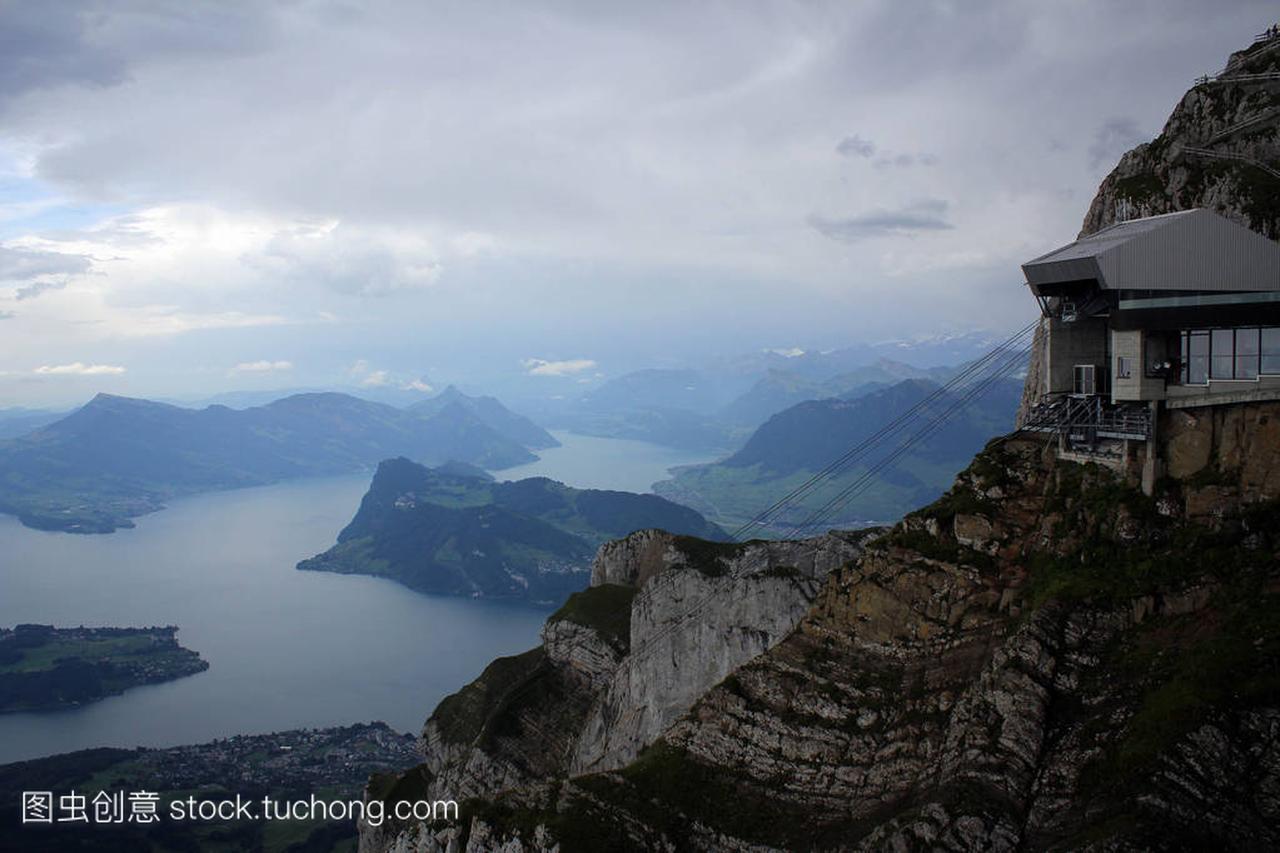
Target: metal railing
(1083,420)
(1231,155)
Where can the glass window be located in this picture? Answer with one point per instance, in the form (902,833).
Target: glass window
(1197,358)
(1124,367)
(1246,353)
(1221,352)
(1271,350)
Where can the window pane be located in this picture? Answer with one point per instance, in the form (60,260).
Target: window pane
(1246,353)
(1199,343)
(1196,357)
(1223,344)
(1271,350)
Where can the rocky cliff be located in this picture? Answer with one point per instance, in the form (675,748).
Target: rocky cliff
(1219,149)
(666,617)
(1043,658)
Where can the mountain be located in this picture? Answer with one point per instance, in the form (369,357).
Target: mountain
(19,421)
(794,444)
(492,414)
(446,531)
(675,408)
(921,351)
(1044,659)
(782,389)
(655,389)
(117,457)
(1217,150)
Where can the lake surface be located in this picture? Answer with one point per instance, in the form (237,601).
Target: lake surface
(287,649)
(605,463)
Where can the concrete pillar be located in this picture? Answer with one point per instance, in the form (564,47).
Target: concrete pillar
(1151,465)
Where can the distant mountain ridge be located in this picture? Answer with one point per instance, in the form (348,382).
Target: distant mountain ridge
(492,414)
(117,457)
(446,531)
(797,442)
(780,389)
(715,408)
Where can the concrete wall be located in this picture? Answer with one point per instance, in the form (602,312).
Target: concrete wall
(1140,349)
(1221,391)
(1069,344)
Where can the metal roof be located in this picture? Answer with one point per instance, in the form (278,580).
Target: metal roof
(1187,250)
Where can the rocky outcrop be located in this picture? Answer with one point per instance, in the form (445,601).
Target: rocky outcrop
(665,619)
(691,628)
(1234,116)
(1033,384)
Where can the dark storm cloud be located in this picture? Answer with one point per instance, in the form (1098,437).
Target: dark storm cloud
(96,44)
(29,264)
(923,215)
(45,44)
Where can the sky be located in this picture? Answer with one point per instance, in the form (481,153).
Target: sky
(205,197)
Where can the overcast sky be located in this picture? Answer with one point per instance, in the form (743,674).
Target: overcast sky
(199,197)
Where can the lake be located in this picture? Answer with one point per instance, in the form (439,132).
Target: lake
(287,649)
(605,463)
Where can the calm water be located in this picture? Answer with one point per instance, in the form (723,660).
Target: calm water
(605,463)
(286,648)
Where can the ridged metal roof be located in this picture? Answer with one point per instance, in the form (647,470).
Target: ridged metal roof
(1188,250)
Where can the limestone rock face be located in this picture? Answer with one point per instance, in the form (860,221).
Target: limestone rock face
(666,618)
(1230,455)
(1234,115)
(692,626)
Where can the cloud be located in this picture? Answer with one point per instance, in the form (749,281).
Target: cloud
(47,44)
(787,352)
(643,164)
(31,291)
(75,44)
(924,215)
(905,161)
(856,146)
(160,320)
(355,261)
(262,366)
(78,368)
(7,315)
(364,373)
(19,264)
(1112,139)
(542,367)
